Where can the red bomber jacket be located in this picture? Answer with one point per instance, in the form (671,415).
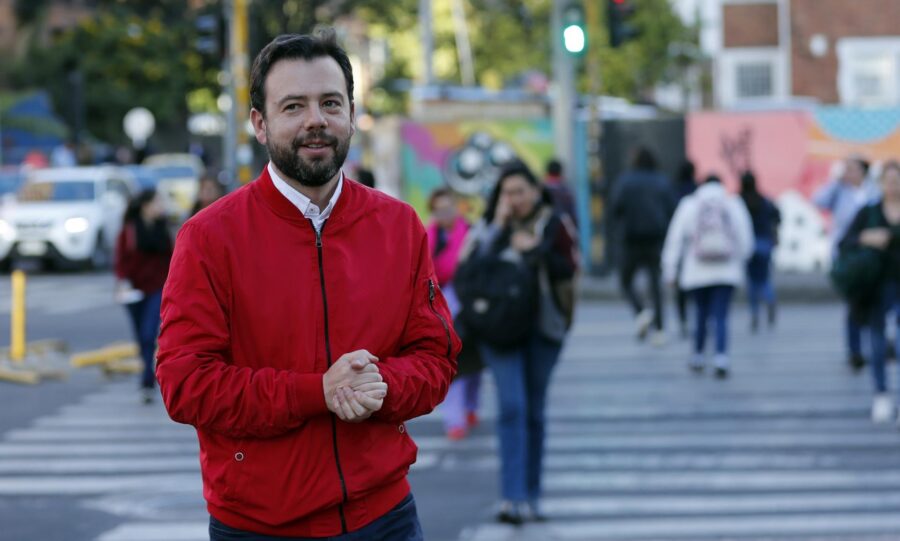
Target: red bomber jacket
(256,308)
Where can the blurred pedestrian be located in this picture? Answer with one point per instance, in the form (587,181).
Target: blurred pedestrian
(877,226)
(446,236)
(143,252)
(642,204)
(303,326)
(843,197)
(365,177)
(521,228)
(685,185)
(711,236)
(766,218)
(209,191)
(563,200)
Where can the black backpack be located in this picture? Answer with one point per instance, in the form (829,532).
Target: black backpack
(498,300)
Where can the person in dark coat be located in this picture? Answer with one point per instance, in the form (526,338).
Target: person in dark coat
(766,218)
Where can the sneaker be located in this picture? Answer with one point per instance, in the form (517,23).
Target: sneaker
(721,362)
(856,361)
(148,395)
(531,513)
(472,419)
(510,513)
(882,408)
(456,434)
(697,363)
(658,339)
(642,322)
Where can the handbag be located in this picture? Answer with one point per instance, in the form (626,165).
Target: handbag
(858,270)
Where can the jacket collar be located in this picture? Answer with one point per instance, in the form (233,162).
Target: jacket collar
(346,209)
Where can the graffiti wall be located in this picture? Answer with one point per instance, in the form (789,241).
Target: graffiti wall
(792,153)
(466,156)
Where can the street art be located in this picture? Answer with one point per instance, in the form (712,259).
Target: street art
(466,156)
(792,153)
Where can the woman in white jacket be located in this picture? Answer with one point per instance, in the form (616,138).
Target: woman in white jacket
(711,236)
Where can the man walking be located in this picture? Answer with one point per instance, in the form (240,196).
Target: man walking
(642,204)
(843,197)
(303,325)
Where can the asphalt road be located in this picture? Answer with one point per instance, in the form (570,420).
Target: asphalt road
(639,449)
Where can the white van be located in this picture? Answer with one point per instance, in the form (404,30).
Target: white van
(69,216)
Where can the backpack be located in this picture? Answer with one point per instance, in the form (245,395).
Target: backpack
(857,271)
(714,236)
(498,299)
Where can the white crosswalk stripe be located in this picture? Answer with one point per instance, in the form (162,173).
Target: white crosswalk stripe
(637,450)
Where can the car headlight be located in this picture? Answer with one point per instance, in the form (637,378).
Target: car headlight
(6,230)
(76,225)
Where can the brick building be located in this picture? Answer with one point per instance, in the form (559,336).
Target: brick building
(833,51)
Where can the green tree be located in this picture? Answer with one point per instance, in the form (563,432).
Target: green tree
(125,59)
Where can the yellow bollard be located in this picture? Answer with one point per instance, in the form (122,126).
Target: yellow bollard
(17,319)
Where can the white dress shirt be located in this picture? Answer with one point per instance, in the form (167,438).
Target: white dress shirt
(306,207)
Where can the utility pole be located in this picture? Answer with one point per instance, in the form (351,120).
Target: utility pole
(238,153)
(463,46)
(563,91)
(427,37)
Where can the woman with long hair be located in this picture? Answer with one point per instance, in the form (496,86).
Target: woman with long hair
(520,226)
(143,251)
(765,217)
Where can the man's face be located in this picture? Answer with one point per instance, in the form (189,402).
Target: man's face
(853,172)
(308,121)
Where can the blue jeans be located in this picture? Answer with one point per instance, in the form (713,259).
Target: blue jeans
(876,320)
(854,334)
(399,524)
(462,399)
(522,377)
(145,321)
(712,303)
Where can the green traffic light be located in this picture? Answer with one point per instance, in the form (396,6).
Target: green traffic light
(574,39)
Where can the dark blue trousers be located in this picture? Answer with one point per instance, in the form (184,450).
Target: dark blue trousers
(400,524)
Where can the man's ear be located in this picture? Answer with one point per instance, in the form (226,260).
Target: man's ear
(259,126)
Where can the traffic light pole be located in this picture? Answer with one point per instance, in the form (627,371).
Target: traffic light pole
(563,92)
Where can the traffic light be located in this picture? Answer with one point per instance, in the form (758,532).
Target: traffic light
(574,28)
(209,35)
(618,15)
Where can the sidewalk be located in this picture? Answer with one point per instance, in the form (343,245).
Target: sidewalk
(793,287)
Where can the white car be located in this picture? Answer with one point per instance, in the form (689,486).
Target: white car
(68,216)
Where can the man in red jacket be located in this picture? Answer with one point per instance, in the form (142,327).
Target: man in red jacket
(302,325)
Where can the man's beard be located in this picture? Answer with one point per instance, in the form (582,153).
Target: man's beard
(313,173)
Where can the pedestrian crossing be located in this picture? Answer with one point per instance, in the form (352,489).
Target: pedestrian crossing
(638,449)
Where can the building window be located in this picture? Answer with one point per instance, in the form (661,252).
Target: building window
(754,80)
(869,71)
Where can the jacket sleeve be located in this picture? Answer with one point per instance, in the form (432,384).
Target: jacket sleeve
(826,197)
(674,245)
(744,224)
(122,256)
(851,237)
(420,374)
(199,383)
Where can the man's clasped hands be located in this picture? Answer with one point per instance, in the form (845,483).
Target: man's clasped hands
(354,388)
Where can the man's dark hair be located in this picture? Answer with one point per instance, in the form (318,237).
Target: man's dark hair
(294,46)
(554,168)
(644,160)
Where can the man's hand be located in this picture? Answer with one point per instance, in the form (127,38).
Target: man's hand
(877,238)
(353,387)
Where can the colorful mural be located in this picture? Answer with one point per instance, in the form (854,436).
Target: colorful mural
(466,155)
(792,153)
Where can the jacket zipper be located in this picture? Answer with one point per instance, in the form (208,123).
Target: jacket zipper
(334,441)
(443,321)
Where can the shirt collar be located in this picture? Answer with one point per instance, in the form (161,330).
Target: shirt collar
(303,203)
